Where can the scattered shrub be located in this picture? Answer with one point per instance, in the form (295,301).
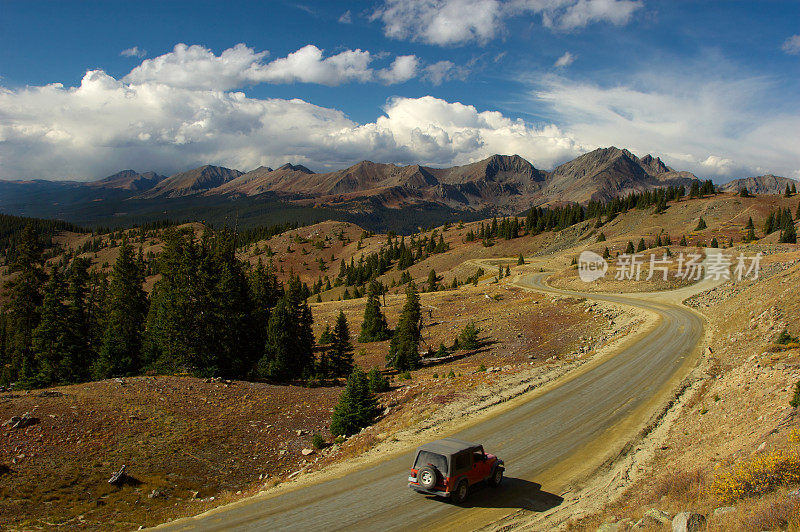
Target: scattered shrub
(774,515)
(795,400)
(405,376)
(468,338)
(679,485)
(760,474)
(318,441)
(784,338)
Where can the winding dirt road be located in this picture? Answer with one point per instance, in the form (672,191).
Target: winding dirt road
(548,438)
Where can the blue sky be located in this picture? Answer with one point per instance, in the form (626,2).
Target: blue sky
(711,87)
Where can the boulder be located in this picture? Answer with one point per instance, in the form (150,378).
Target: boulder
(20,422)
(306,452)
(724,510)
(688,522)
(658,515)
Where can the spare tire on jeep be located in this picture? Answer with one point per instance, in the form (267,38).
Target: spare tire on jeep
(428,477)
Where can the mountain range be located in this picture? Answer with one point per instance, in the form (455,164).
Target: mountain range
(500,184)
(506,184)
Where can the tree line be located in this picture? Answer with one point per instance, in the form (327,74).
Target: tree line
(208,314)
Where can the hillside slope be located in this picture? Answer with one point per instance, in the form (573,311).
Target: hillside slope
(763,184)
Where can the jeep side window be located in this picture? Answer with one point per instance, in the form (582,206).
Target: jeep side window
(436,460)
(480,456)
(462,462)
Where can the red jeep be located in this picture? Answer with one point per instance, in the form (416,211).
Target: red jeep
(448,467)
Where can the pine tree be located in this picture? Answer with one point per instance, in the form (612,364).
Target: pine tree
(683,241)
(49,339)
(701,224)
(170,338)
(377,382)
(630,249)
(601,237)
(788,192)
(289,351)
(24,300)
(404,347)
(374,327)
(521,260)
(642,246)
(125,313)
(357,407)
(433,281)
(789,235)
(714,243)
(770,225)
(264,293)
(4,341)
(83,323)
(751,232)
(341,348)
(277,361)
(324,343)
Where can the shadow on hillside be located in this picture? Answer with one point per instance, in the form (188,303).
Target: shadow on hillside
(513,493)
(483,347)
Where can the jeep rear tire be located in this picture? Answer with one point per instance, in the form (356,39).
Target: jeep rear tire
(427,477)
(461,492)
(497,477)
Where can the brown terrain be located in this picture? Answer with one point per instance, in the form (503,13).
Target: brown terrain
(192,444)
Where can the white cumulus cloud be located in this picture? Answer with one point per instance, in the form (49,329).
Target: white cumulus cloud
(105,124)
(456,22)
(197,67)
(440,21)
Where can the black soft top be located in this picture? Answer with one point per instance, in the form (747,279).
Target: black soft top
(448,446)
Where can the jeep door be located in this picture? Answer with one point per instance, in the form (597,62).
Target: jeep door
(480,466)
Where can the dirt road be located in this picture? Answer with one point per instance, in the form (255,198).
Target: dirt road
(549,439)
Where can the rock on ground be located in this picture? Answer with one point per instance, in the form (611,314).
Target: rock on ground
(688,522)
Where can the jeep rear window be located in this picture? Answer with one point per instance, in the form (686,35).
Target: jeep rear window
(436,460)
